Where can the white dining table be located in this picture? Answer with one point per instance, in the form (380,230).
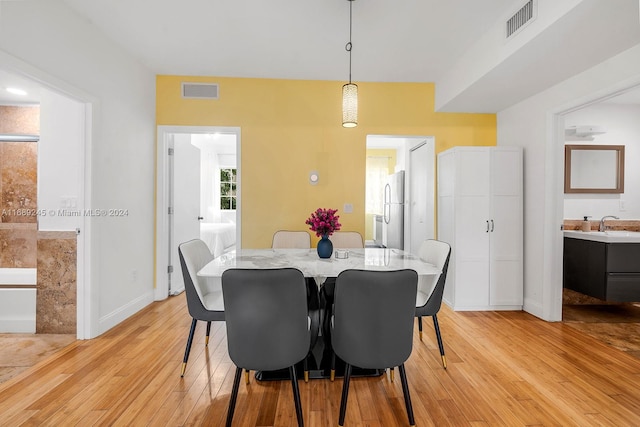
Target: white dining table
(312,266)
(319,301)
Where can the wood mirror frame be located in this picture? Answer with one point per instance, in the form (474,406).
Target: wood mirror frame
(616,165)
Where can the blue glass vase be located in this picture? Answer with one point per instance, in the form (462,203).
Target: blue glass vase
(325,247)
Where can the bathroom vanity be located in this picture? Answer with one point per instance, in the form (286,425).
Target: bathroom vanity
(603,264)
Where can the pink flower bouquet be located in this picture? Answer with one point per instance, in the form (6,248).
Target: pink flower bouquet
(324,222)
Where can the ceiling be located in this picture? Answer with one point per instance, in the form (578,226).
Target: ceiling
(393,41)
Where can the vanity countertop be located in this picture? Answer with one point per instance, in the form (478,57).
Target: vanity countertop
(613,236)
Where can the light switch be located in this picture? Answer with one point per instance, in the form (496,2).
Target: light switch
(623,205)
(348,208)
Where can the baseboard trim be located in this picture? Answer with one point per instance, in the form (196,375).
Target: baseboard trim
(119,315)
(534,307)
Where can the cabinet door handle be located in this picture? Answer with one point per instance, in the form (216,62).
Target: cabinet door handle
(492,227)
(487,227)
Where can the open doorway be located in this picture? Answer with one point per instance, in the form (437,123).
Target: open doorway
(412,160)
(198,196)
(614,119)
(56,186)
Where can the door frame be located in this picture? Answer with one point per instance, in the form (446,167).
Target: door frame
(87,303)
(551,308)
(429,142)
(404,144)
(161,255)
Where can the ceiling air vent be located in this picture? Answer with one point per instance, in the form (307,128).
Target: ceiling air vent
(200,90)
(522,17)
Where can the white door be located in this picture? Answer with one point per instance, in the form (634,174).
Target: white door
(473,227)
(185,221)
(506,226)
(421,195)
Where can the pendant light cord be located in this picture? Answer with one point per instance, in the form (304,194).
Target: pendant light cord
(349,45)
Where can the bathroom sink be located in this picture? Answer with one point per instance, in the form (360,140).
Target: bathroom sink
(622,233)
(609,236)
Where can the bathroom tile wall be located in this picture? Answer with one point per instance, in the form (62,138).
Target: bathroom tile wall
(53,253)
(23,120)
(56,283)
(18,187)
(18,245)
(18,181)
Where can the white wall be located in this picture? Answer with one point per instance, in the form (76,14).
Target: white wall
(66,50)
(530,124)
(60,162)
(623,128)
(490,50)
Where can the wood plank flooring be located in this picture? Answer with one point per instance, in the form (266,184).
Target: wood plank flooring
(504,369)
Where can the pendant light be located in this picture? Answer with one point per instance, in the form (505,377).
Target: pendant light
(350,90)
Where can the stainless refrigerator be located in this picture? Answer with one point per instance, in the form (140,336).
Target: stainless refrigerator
(393,212)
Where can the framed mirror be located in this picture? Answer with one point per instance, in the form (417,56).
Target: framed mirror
(594,168)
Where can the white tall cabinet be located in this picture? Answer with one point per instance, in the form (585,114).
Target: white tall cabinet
(480,214)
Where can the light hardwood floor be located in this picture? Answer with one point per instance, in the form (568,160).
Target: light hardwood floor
(504,368)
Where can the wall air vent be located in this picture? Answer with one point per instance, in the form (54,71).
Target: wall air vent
(522,17)
(200,90)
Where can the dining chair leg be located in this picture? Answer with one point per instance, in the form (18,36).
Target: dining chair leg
(407,397)
(188,349)
(234,396)
(420,327)
(296,395)
(305,365)
(332,375)
(392,373)
(246,376)
(439,337)
(206,338)
(345,393)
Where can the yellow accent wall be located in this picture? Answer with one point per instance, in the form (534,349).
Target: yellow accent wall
(291,127)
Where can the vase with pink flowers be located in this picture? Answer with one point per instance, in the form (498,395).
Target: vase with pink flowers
(324,222)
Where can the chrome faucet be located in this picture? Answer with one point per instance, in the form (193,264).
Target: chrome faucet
(602,227)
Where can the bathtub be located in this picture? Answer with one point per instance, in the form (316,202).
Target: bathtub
(18,300)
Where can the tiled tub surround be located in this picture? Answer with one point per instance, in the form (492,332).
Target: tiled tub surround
(56,283)
(47,304)
(40,296)
(22,120)
(18,245)
(18,300)
(18,181)
(19,164)
(18,229)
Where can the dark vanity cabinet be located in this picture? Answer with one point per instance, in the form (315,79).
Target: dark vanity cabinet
(607,271)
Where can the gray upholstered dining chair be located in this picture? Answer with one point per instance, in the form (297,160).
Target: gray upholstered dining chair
(284,239)
(267,324)
(431,288)
(340,240)
(346,240)
(204,295)
(372,324)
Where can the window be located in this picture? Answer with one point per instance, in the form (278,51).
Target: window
(227,189)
